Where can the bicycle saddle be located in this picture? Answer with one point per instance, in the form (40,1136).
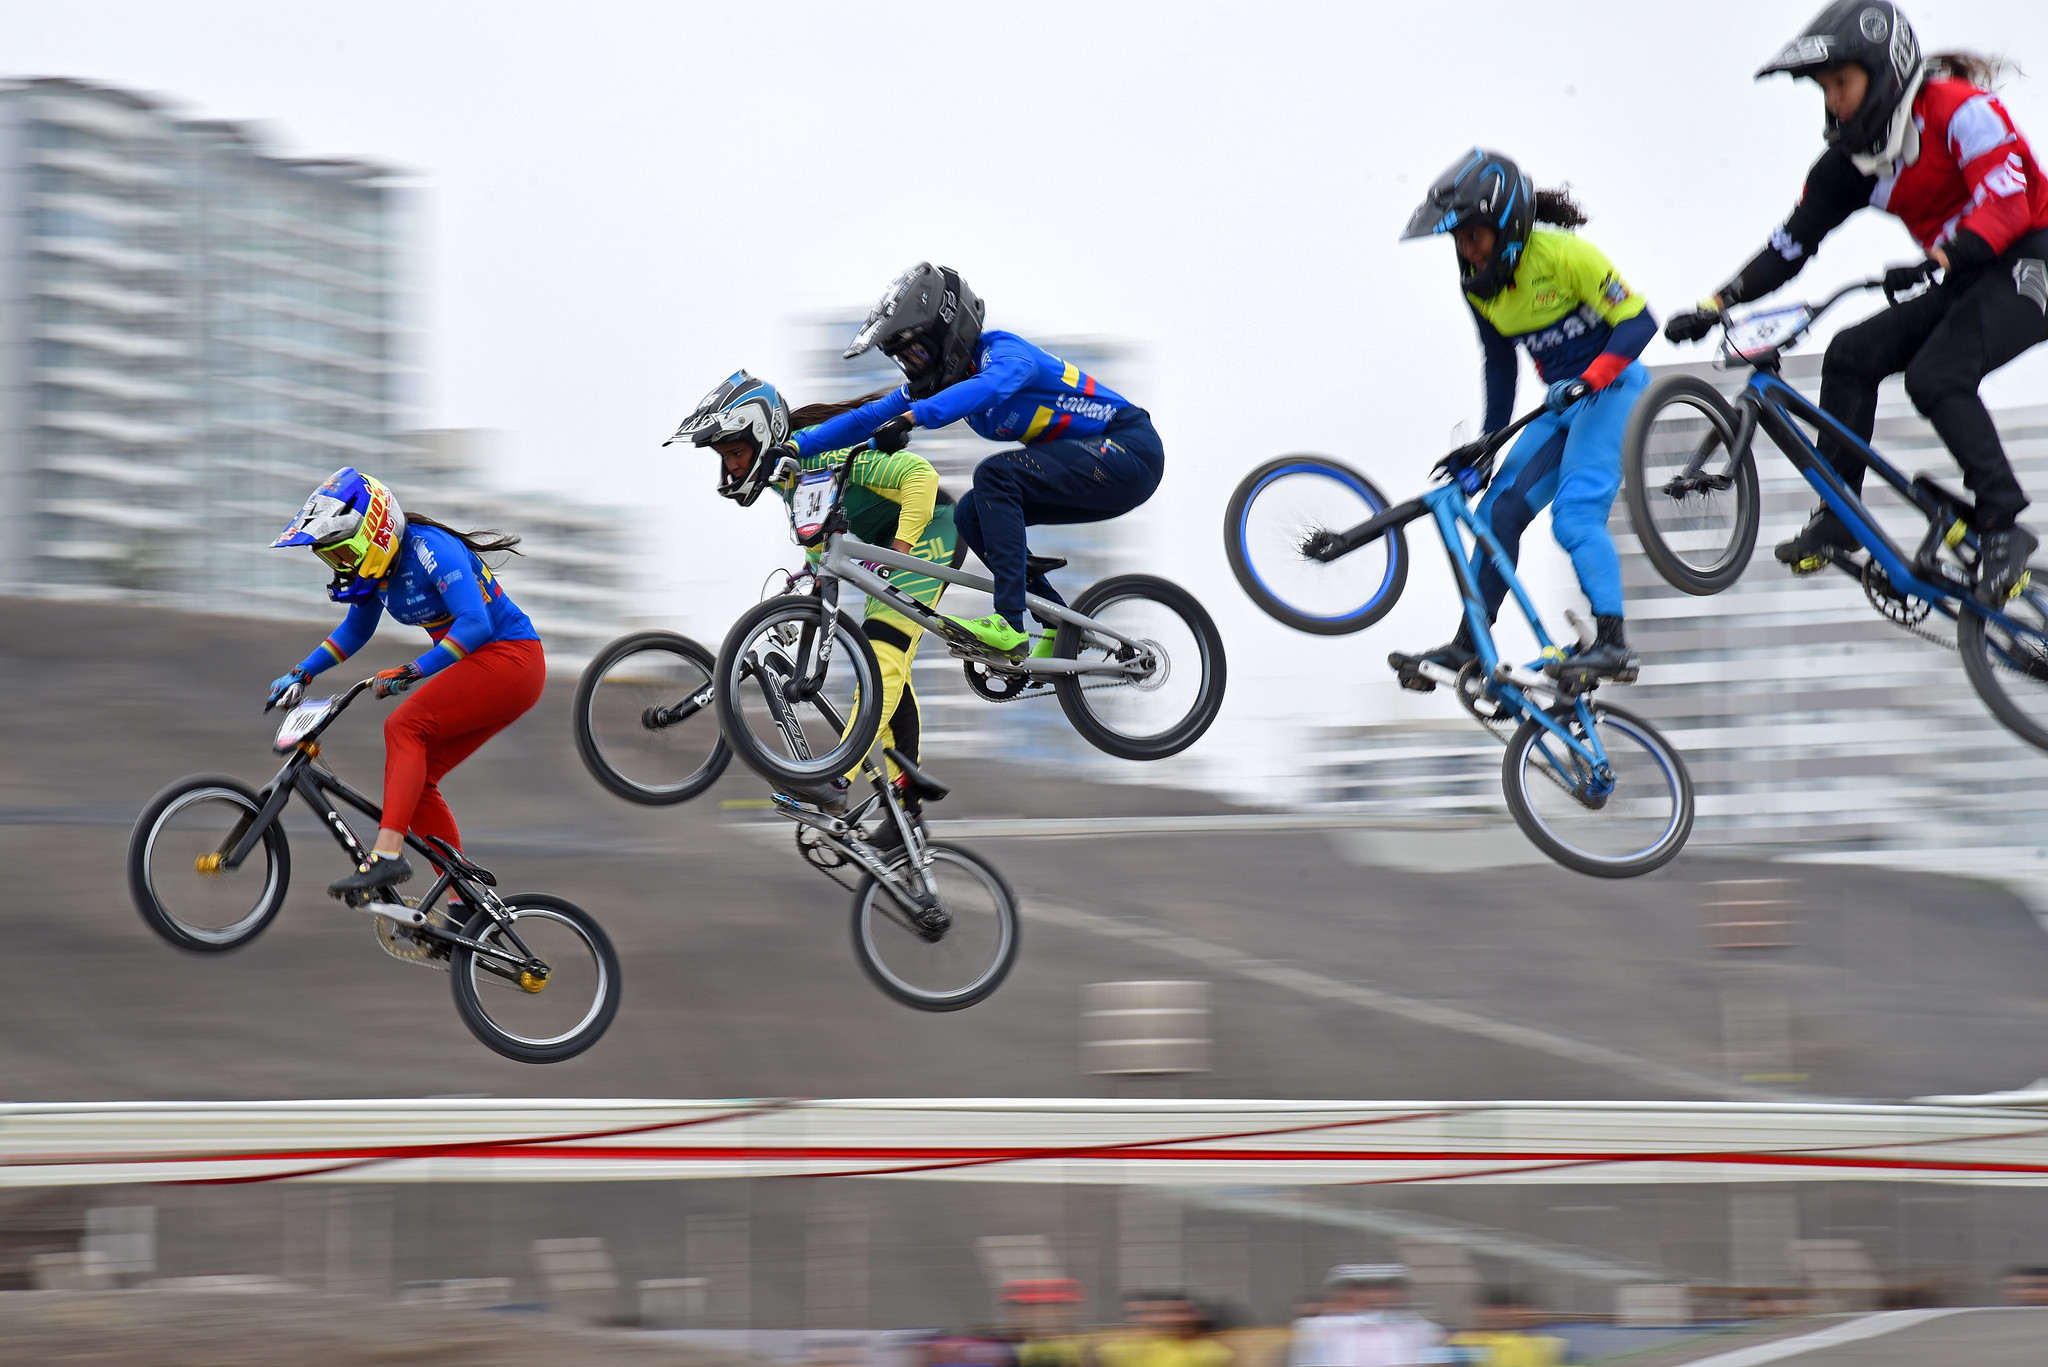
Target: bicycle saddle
(1043,564)
(473,872)
(916,779)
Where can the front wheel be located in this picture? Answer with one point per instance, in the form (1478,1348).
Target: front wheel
(1279,513)
(945,956)
(1617,821)
(1174,686)
(1691,495)
(814,736)
(555,999)
(176,876)
(2008,665)
(644,721)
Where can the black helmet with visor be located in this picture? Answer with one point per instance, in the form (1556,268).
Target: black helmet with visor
(1486,188)
(1871,34)
(929,323)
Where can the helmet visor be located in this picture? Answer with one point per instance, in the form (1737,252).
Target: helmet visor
(343,555)
(915,356)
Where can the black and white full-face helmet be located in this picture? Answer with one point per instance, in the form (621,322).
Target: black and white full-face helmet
(1482,187)
(743,409)
(1875,36)
(929,323)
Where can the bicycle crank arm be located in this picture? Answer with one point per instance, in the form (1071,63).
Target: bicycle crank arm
(1429,669)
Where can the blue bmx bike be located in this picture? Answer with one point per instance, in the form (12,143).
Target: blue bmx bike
(1319,548)
(1692,496)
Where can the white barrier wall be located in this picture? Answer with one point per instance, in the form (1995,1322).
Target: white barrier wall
(1169,1143)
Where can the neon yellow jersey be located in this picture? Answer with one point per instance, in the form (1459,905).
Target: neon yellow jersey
(889,496)
(1565,300)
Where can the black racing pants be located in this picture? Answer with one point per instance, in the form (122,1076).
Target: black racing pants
(1945,340)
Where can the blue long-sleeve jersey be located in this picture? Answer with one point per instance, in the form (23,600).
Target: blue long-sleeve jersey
(438,583)
(1018,392)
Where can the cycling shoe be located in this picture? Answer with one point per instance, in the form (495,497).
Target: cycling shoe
(2002,564)
(382,873)
(1607,658)
(1812,549)
(1450,657)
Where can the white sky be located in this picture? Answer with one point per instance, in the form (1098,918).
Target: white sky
(624,202)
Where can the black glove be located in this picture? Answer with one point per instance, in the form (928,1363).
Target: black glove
(1899,279)
(1692,325)
(1471,465)
(893,435)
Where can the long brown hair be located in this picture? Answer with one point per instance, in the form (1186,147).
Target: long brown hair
(1975,67)
(476,541)
(1558,207)
(811,414)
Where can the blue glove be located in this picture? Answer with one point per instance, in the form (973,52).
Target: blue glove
(1565,393)
(1471,465)
(284,684)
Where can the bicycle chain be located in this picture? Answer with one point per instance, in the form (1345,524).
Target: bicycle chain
(1897,608)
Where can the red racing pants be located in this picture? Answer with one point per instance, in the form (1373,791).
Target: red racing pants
(444,721)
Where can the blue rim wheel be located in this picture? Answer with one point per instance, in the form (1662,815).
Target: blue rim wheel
(1274,515)
(1619,824)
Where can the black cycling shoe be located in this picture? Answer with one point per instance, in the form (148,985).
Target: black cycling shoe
(889,836)
(1607,658)
(1453,655)
(2002,564)
(1813,548)
(382,873)
(828,797)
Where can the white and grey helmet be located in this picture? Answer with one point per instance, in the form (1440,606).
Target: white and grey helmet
(741,409)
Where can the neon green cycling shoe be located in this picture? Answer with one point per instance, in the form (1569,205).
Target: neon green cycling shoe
(995,633)
(1041,648)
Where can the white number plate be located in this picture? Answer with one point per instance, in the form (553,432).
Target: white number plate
(1761,332)
(813,500)
(300,720)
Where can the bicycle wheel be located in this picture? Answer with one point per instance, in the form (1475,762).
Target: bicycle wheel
(2008,667)
(803,741)
(526,1016)
(1610,829)
(1281,508)
(1692,498)
(946,959)
(644,722)
(1167,707)
(173,871)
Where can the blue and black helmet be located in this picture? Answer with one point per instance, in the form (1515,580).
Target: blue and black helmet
(1482,187)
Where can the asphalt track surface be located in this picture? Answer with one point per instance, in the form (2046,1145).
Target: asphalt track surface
(739,979)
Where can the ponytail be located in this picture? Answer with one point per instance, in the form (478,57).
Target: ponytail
(1559,208)
(481,542)
(1975,67)
(811,414)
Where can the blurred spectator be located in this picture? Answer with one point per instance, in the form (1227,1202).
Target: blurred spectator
(1168,1329)
(2027,1286)
(1043,1315)
(966,1350)
(1506,1336)
(1366,1322)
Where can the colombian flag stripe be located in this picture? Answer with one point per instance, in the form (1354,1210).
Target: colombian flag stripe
(332,649)
(1059,426)
(1087,384)
(1072,376)
(1038,422)
(453,647)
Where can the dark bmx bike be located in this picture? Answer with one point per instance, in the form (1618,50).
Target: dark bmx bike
(1692,496)
(1318,547)
(534,977)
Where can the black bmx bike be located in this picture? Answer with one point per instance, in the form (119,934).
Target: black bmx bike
(534,977)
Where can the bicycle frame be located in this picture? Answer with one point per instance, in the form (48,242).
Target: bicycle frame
(841,833)
(302,775)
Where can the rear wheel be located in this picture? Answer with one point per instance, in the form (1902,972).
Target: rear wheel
(2008,665)
(1626,821)
(1282,509)
(1175,687)
(1691,496)
(803,740)
(175,873)
(541,1013)
(644,720)
(947,956)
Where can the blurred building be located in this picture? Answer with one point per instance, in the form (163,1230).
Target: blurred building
(1812,725)
(194,332)
(1093,550)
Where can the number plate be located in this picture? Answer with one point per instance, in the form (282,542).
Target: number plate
(812,502)
(1767,331)
(299,721)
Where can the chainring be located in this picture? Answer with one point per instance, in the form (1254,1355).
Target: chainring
(1489,711)
(401,944)
(1901,610)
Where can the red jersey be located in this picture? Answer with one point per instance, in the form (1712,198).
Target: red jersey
(1973,190)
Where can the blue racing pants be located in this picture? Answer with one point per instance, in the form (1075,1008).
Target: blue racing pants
(1070,479)
(1572,461)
